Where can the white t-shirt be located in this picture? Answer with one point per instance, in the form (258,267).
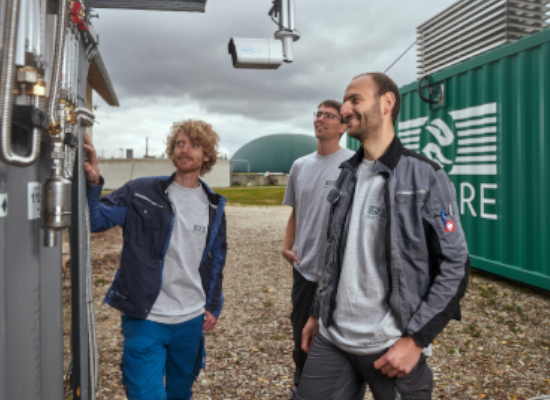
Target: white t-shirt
(310,180)
(182,297)
(364,324)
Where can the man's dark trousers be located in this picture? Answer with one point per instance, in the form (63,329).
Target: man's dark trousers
(303,292)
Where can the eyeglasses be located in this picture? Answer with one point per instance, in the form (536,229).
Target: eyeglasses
(327,115)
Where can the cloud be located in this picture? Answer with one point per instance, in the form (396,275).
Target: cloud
(168,66)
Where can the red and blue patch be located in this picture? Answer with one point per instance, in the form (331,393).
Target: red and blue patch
(449,225)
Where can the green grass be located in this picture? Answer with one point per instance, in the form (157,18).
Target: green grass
(260,195)
(257,195)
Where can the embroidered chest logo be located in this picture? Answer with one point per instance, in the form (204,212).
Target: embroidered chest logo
(199,230)
(329,184)
(376,213)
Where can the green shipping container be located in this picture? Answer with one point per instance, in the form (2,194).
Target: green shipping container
(490,130)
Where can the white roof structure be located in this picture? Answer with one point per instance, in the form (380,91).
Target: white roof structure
(159,5)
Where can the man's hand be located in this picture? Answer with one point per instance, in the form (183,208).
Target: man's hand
(91,167)
(400,359)
(209,321)
(309,333)
(291,257)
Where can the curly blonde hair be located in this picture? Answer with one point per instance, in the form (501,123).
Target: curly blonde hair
(201,134)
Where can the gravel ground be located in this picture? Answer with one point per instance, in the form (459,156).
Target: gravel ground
(500,349)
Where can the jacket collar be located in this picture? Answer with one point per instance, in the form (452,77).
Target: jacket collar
(213,198)
(389,159)
(393,154)
(354,161)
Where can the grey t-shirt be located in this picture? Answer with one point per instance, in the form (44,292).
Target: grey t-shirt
(309,182)
(182,297)
(364,324)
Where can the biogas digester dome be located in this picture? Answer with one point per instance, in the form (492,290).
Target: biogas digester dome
(274,153)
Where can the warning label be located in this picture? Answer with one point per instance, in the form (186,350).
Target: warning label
(34,200)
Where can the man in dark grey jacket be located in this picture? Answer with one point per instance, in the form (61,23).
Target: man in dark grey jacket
(397,262)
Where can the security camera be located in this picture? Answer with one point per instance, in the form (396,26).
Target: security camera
(268,53)
(256,53)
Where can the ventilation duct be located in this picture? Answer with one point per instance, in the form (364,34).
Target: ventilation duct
(471,27)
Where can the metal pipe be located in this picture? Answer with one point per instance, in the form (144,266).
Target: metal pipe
(37,30)
(58,58)
(21,33)
(291,13)
(85,116)
(287,34)
(7,78)
(76,50)
(42,33)
(31,27)
(65,63)
(283,15)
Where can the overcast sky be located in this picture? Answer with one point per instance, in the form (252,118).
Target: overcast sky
(168,66)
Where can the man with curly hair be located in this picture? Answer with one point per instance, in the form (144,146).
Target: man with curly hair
(169,283)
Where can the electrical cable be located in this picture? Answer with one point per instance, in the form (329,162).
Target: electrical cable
(274,12)
(93,356)
(399,58)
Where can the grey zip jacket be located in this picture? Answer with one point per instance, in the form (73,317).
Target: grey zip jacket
(427,257)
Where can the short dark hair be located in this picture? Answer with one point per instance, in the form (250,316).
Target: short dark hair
(332,104)
(386,84)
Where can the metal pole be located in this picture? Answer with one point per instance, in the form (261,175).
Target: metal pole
(3,330)
(79,324)
(291,13)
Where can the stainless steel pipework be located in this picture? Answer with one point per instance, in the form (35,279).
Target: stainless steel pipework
(55,205)
(287,34)
(57,60)
(7,78)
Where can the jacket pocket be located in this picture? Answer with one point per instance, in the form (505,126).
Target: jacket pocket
(144,222)
(411,196)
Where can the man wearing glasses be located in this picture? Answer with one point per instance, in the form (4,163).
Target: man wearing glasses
(310,180)
(396,264)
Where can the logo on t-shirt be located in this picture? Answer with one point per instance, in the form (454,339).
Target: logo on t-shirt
(329,184)
(199,230)
(376,213)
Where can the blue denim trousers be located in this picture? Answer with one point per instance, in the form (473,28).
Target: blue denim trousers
(153,351)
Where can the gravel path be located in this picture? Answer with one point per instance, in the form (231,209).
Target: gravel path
(500,349)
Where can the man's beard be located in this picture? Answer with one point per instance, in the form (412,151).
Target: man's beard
(193,168)
(370,123)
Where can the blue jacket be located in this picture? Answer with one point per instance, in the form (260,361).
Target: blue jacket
(142,208)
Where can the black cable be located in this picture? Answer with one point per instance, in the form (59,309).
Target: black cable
(399,58)
(274,12)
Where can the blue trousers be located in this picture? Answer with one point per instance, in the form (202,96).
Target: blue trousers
(153,351)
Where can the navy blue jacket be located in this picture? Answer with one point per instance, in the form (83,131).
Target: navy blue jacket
(142,208)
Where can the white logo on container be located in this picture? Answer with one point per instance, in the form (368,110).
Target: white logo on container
(475,129)
(473,138)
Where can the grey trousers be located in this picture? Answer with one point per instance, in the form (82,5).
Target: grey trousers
(332,374)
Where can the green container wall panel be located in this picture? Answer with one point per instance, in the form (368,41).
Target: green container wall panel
(492,136)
